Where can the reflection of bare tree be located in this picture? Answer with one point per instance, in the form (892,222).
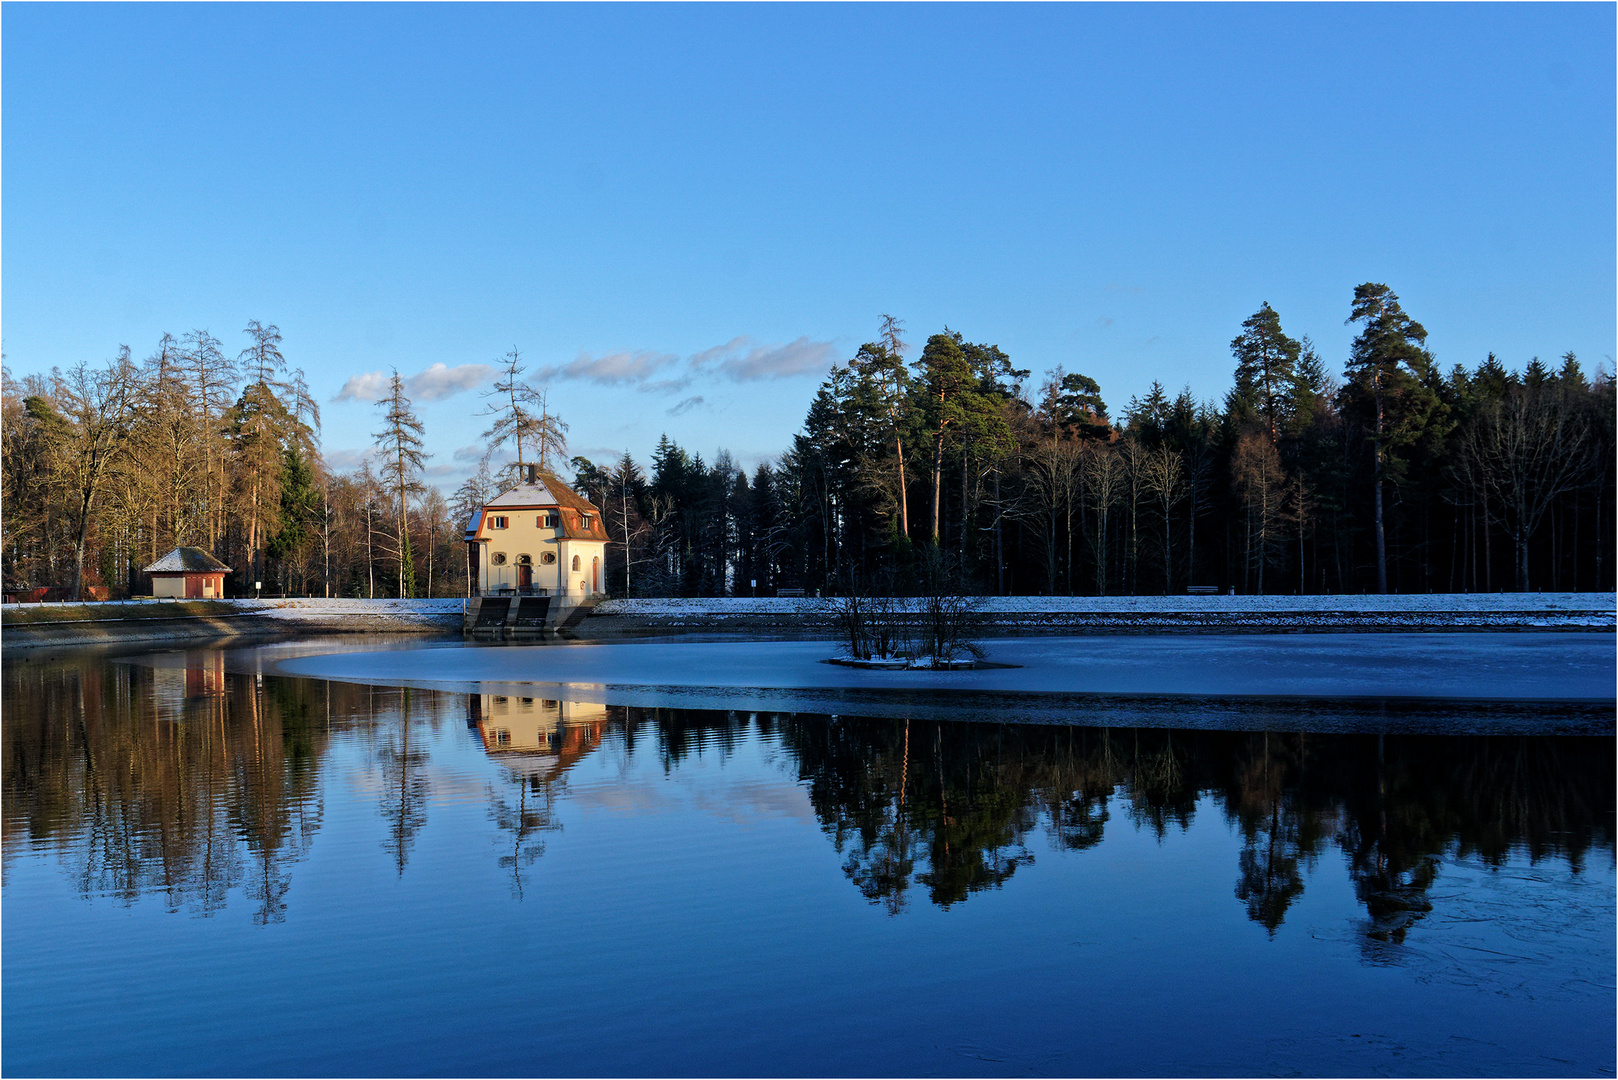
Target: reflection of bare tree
(524,820)
(277,811)
(1079,821)
(1160,792)
(404,787)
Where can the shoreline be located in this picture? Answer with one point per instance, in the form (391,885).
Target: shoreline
(1032,616)
(33,626)
(28,626)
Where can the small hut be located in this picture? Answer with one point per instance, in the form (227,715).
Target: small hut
(189,573)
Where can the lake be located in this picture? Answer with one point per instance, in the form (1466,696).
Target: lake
(212,866)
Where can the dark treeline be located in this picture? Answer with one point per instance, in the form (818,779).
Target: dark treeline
(1399,476)
(193,784)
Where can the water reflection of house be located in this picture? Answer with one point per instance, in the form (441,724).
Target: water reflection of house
(536,737)
(196,676)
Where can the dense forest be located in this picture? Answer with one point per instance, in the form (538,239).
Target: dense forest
(1395,476)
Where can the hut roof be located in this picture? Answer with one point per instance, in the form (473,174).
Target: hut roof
(187,560)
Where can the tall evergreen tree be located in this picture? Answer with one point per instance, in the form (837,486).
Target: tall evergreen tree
(1388,369)
(398,446)
(1266,368)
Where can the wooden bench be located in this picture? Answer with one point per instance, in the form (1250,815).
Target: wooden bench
(1202,590)
(788,592)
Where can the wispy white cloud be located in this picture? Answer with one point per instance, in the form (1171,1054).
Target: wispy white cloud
(741,359)
(613,369)
(371,386)
(344,460)
(438,382)
(686,405)
(744,360)
(442,381)
(470,453)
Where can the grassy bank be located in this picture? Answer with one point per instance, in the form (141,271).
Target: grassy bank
(136,611)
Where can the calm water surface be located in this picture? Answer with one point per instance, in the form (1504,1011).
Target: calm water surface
(208,872)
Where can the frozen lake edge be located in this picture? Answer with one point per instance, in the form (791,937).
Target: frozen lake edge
(1480,682)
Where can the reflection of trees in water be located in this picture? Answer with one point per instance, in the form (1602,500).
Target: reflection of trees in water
(953,811)
(1278,834)
(524,811)
(193,797)
(907,802)
(403,802)
(144,786)
(186,799)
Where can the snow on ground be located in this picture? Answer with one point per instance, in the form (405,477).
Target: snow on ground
(1150,605)
(323,608)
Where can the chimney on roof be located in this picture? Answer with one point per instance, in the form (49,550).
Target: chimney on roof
(530,474)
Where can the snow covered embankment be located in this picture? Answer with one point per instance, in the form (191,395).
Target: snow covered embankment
(362,616)
(1010,615)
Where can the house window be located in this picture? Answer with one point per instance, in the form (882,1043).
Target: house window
(586,521)
(497,559)
(575,562)
(547,557)
(549,521)
(497,522)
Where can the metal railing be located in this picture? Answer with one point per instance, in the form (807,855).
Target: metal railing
(515,590)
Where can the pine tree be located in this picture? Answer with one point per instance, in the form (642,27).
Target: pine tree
(1266,368)
(1388,371)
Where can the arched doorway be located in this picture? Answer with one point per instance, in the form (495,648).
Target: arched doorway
(595,574)
(525,573)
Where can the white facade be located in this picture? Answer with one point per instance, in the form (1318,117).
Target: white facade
(540,539)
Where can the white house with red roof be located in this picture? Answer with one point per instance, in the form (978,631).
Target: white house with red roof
(541,538)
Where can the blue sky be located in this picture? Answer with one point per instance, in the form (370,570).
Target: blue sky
(681,215)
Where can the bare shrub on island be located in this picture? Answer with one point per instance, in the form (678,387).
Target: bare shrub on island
(874,623)
(936,627)
(950,617)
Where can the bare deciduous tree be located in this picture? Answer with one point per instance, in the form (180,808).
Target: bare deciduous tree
(521,416)
(1526,451)
(100,407)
